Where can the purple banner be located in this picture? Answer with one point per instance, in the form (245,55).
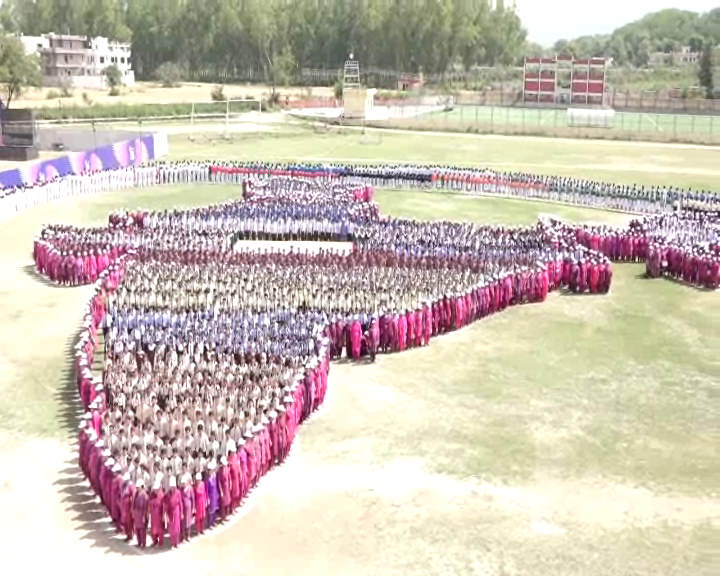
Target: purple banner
(120,155)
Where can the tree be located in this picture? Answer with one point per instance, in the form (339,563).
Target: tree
(562,47)
(169,74)
(696,43)
(662,31)
(705,71)
(8,20)
(114,79)
(18,70)
(218,40)
(534,50)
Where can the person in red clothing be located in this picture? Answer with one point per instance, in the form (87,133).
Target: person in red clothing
(140,511)
(200,500)
(173,512)
(156,508)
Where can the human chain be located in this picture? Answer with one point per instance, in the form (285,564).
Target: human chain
(213,354)
(639,199)
(283,208)
(215,351)
(567,190)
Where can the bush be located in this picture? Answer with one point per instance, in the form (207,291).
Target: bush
(52,95)
(169,74)
(86,99)
(217,94)
(114,79)
(66,88)
(392,95)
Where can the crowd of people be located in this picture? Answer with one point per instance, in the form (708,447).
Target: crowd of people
(212,356)
(213,353)
(681,246)
(177,434)
(604,195)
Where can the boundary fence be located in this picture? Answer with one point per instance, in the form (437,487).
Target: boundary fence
(692,129)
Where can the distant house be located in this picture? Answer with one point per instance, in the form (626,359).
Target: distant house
(79,61)
(410,82)
(683,57)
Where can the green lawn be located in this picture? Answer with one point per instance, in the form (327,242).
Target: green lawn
(622,162)
(553,122)
(631,121)
(594,415)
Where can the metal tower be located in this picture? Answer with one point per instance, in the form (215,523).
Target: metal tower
(351,74)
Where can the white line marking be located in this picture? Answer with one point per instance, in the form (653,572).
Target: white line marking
(653,122)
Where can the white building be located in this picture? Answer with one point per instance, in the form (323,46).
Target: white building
(104,53)
(79,62)
(34,44)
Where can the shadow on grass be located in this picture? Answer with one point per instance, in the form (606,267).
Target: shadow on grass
(566,292)
(82,505)
(681,282)
(67,396)
(86,510)
(673,280)
(29,270)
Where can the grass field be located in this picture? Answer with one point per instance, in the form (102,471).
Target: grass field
(550,122)
(622,162)
(576,437)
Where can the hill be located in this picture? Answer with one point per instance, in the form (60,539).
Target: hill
(633,43)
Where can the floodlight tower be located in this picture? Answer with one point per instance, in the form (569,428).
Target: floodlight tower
(358,102)
(351,75)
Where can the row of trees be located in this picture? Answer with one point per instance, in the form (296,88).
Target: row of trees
(278,36)
(663,31)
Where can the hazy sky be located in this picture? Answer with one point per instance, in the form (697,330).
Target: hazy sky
(549,20)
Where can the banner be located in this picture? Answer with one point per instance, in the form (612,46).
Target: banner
(132,152)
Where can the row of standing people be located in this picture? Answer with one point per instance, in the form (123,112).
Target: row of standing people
(574,191)
(694,266)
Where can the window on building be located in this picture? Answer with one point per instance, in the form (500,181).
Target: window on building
(102,59)
(113,60)
(122,60)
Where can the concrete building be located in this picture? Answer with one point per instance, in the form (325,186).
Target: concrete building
(79,61)
(34,44)
(683,57)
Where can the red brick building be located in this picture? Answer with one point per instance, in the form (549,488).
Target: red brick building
(565,80)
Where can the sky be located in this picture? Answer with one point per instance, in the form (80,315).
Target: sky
(550,20)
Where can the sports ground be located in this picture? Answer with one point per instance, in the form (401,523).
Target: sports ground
(625,125)
(574,437)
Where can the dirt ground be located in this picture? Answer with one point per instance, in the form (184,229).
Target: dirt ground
(154,93)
